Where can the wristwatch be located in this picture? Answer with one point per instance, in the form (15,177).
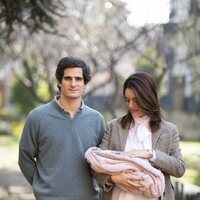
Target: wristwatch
(150,153)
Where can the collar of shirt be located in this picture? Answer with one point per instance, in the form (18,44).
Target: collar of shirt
(57,97)
(141,128)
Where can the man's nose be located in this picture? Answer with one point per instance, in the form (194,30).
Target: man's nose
(73,82)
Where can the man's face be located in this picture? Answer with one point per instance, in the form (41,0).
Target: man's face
(72,85)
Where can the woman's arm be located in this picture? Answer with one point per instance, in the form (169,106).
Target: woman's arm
(170,161)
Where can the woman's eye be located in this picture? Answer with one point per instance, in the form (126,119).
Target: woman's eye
(127,100)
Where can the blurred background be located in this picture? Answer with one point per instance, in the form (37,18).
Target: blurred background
(116,38)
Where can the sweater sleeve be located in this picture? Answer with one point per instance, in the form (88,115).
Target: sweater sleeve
(28,150)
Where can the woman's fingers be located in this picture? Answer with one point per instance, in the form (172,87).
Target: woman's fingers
(129,179)
(134,176)
(134,184)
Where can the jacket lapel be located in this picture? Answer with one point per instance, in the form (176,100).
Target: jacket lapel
(155,136)
(123,133)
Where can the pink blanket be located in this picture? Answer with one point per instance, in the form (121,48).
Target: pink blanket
(110,162)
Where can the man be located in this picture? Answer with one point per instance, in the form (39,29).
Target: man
(56,136)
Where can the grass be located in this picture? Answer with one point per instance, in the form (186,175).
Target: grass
(191,154)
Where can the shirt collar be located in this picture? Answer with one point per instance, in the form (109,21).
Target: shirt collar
(57,97)
(141,127)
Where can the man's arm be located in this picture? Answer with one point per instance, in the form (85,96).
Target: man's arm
(27,151)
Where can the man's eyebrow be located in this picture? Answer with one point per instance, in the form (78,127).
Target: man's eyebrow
(72,76)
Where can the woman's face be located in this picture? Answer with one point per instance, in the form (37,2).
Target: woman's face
(132,103)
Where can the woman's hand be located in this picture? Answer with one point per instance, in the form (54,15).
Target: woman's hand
(127,179)
(138,153)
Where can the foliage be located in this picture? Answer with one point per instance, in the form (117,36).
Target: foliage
(98,32)
(191,153)
(21,96)
(34,83)
(183,39)
(11,123)
(195,73)
(152,62)
(20,15)
(34,56)
(6,118)
(16,128)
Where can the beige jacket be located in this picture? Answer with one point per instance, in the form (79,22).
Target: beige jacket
(165,142)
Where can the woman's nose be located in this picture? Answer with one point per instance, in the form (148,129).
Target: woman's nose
(132,104)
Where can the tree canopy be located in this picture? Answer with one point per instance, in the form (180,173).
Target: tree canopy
(35,34)
(30,15)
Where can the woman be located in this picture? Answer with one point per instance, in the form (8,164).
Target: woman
(141,131)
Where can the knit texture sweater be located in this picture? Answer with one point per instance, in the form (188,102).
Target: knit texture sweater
(51,152)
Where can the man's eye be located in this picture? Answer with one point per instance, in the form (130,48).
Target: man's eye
(67,78)
(79,78)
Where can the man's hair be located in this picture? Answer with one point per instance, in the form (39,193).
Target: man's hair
(72,62)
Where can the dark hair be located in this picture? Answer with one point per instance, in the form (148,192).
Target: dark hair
(72,62)
(145,89)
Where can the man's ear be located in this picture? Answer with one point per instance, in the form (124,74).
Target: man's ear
(59,83)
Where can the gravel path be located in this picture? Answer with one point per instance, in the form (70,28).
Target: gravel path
(13,185)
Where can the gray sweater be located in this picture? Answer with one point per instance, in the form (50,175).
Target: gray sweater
(51,152)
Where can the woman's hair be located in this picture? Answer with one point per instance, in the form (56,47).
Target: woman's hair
(145,89)
(72,62)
